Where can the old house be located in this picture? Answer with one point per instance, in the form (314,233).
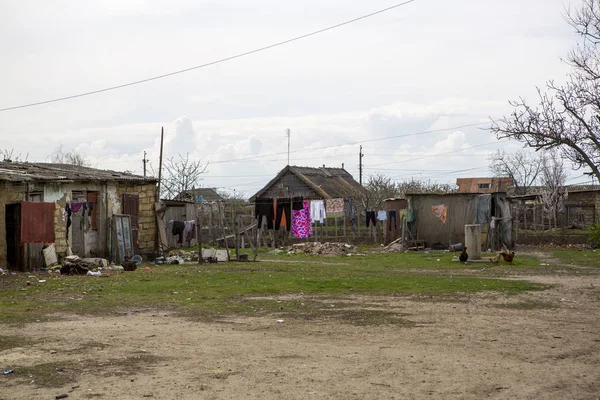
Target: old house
(440,219)
(73,207)
(199,195)
(484,185)
(310,183)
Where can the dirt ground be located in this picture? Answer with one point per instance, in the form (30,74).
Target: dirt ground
(537,345)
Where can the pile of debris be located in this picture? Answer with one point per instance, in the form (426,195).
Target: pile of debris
(75,265)
(325,249)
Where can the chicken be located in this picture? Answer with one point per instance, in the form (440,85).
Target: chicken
(463,256)
(496,259)
(508,257)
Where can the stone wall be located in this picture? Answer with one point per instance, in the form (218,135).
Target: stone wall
(9,194)
(147,218)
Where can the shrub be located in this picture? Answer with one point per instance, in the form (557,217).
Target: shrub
(594,239)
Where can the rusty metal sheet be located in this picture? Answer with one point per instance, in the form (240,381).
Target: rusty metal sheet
(37,222)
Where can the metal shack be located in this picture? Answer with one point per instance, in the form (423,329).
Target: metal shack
(440,219)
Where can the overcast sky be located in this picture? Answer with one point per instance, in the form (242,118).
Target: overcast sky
(428,65)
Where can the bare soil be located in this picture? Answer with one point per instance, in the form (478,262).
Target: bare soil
(529,346)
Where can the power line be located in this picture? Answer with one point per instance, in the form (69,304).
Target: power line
(355,143)
(209,63)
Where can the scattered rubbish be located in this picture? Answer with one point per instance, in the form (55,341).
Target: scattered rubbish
(94,273)
(275,251)
(49,253)
(174,260)
(42,281)
(147,268)
(137,259)
(438,259)
(73,265)
(28,283)
(8,371)
(115,268)
(159,260)
(457,247)
(61,396)
(280,321)
(544,264)
(326,249)
(214,255)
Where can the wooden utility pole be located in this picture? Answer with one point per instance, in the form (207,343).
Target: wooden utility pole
(360,157)
(162,135)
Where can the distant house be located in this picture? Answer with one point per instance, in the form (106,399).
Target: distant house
(200,195)
(311,183)
(484,185)
(73,207)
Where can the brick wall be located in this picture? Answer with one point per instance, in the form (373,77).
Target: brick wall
(147,218)
(8,194)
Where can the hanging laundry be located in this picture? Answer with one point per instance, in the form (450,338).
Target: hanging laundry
(392,216)
(283,209)
(381,215)
(441,212)
(317,211)
(189,232)
(301,221)
(75,207)
(298,203)
(334,207)
(68,213)
(371,218)
(90,206)
(264,209)
(178,227)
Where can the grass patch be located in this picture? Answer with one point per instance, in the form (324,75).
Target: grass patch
(59,374)
(586,258)
(527,305)
(222,289)
(10,342)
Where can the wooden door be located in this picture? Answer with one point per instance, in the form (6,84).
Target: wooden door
(131,207)
(77,235)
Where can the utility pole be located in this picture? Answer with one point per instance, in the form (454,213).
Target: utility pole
(288,136)
(144,161)
(360,157)
(162,135)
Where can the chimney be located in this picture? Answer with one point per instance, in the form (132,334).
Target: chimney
(342,165)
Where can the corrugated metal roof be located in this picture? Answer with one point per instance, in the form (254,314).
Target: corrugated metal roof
(30,172)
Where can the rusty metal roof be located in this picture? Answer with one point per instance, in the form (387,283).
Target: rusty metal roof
(47,172)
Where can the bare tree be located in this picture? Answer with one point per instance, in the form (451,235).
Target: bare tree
(378,188)
(523,167)
(8,155)
(421,186)
(60,156)
(179,175)
(554,191)
(567,116)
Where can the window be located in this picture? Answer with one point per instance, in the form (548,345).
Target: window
(483,186)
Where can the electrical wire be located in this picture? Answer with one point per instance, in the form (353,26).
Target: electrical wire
(222,60)
(358,142)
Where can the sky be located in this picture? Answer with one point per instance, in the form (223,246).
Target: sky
(403,84)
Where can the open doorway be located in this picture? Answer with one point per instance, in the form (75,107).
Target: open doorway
(13,236)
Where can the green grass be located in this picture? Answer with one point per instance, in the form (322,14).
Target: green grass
(578,257)
(211,290)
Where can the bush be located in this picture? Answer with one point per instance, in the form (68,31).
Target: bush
(594,239)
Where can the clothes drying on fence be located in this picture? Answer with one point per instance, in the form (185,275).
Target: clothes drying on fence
(178,227)
(263,209)
(301,222)
(381,215)
(298,203)
(189,231)
(371,218)
(283,208)
(75,207)
(393,215)
(317,211)
(68,217)
(441,212)
(334,207)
